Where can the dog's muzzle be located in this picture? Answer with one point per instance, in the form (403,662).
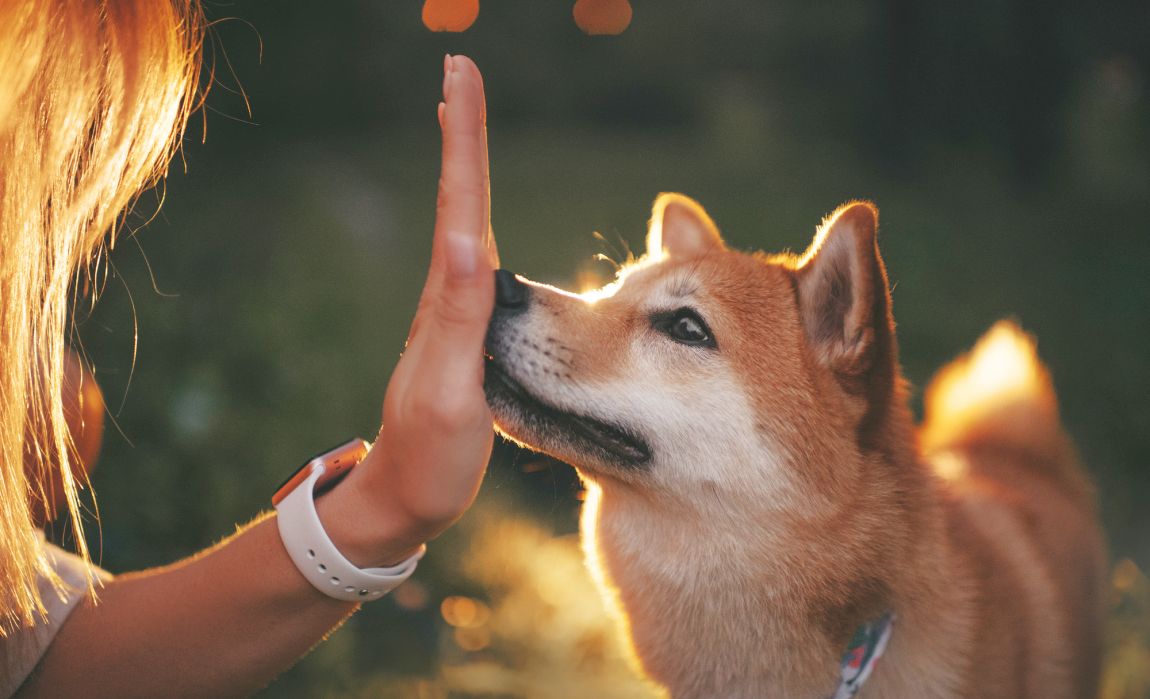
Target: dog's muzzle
(511,294)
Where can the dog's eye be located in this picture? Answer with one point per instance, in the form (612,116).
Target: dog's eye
(685,326)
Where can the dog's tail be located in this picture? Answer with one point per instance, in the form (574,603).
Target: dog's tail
(997,396)
(992,431)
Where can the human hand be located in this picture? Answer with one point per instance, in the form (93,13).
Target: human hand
(428,462)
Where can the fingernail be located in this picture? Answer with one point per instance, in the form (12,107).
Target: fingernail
(441,112)
(462,255)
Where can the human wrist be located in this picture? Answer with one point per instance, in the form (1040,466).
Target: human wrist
(310,544)
(366,531)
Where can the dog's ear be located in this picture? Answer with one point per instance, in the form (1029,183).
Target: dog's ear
(681,229)
(842,290)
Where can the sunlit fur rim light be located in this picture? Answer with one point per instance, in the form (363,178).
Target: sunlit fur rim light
(94,96)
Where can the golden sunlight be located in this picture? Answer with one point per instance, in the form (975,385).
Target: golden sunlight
(544,611)
(588,281)
(590,293)
(590,284)
(1002,366)
(1002,370)
(949,466)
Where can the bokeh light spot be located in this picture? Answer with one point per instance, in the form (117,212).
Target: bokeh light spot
(472,640)
(411,596)
(602,16)
(464,612)
(450,15)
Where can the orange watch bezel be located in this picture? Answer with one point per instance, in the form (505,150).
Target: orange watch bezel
(336,462)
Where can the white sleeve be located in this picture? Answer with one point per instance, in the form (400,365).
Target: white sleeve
(22,650)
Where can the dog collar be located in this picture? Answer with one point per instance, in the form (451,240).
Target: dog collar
(863,651)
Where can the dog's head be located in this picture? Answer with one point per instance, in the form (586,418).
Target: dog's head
(702,367)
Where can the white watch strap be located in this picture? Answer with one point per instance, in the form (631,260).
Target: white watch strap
(320,561)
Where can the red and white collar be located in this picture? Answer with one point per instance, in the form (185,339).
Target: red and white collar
(865,648)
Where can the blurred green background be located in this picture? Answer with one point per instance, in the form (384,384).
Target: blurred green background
(1007,144)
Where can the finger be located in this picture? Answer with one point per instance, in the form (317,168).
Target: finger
(463,203)
(448,343)
(465,167)
(465,66)
(463,199)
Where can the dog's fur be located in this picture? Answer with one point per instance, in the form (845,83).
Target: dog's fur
(754,499)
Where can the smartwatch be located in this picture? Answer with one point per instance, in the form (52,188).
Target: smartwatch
(308,544)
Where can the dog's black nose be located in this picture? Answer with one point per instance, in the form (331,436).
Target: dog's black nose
(510,293)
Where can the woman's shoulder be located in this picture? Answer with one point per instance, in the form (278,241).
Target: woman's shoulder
(22,649)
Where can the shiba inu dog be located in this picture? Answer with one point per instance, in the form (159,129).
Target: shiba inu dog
(758,493)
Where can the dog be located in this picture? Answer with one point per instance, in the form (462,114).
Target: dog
(762,512)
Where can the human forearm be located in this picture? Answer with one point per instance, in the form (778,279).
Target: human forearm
(223,623)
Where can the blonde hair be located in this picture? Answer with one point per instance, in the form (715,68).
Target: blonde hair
(94,95)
